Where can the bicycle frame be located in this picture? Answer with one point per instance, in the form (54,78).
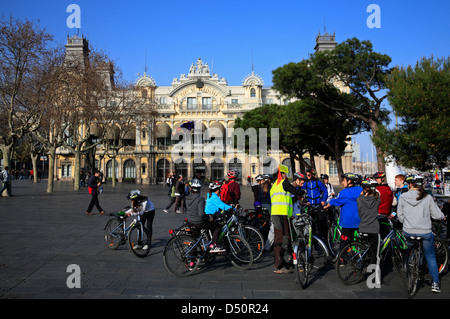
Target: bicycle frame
(125,228)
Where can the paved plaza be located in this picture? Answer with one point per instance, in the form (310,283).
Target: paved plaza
(42,234)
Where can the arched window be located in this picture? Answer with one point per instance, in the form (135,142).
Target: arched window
(252,92)
(129,168)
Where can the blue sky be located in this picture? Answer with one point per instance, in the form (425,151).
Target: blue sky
(173,34)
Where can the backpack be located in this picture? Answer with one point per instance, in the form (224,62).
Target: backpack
(225,194)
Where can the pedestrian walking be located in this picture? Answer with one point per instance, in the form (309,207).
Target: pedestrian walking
(93,185)
(6,179)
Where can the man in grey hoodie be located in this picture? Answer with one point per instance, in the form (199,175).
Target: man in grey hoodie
(415,210)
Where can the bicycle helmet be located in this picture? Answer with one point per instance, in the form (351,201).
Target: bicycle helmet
(415,179)
(369,183)
(134,194)
(195,184)
(349,176)
(214,186)
(379,175)
(324,176)
(259,178)
(312,171)
(232,174)
(299,176)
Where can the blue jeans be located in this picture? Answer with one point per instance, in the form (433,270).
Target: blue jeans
(429,252)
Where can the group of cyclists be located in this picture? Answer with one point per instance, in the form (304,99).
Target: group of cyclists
(364,205)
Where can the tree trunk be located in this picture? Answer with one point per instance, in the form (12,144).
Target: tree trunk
(34,157)
(76,173)
(51,169)
(7,151)
(113,171)
(380,155)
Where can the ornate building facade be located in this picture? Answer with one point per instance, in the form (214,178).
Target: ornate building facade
(208,106)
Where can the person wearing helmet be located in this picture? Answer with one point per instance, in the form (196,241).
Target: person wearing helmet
(349,218)
(231,191)
(281,210)
(195,206)
(261,191)
(415,210)
(329,186)
(368,204)
(298,181)
(387,198)
(141,205)
(214,206)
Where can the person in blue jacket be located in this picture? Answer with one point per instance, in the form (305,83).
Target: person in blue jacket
(215,205)
(349,218)
(317,194)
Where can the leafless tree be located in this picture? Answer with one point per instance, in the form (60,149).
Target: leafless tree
(125,113)
(23,46)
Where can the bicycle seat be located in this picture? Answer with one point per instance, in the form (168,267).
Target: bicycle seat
(414,238)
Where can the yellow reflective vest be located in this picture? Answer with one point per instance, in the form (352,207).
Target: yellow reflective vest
(281,200)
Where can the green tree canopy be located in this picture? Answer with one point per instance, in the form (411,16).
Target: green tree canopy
(420,97)
(349,80)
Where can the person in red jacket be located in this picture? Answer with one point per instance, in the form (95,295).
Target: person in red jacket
(231,191)
(385,208)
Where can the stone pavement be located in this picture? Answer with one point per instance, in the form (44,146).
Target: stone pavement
(42,234)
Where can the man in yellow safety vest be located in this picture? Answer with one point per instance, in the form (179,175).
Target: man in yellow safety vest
(281,210)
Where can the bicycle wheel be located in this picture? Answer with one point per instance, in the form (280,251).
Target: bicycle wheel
(255,239)
(411,278)
(181,255)
(441,254)
(113,234)
(301,267)
(319,254)
(139,240)
(239,251)
(352,262)
(333,239)
(397,257)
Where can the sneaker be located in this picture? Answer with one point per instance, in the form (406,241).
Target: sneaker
(179,212)
(436,287)
(137,247)
(165,211)
(215,249)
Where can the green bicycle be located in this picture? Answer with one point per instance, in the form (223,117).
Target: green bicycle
(354,258)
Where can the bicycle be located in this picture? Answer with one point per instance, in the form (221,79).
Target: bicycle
(241,227)
(415,266)
(258,218)
(254,237)
(354,258)
(117,233)
(189,246)
(334,232)
(309,252)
